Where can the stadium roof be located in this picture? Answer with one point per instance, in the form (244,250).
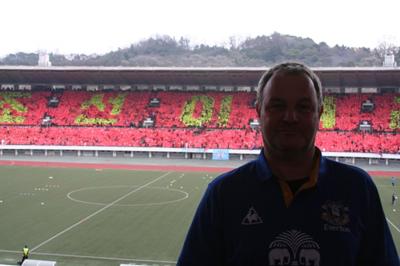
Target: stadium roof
(379,77)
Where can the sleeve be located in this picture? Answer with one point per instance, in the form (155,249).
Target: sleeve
(377,246)
(203,243)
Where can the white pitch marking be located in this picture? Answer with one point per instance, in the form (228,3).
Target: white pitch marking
(98,211)
(394,226)
(91,257)
(186,195)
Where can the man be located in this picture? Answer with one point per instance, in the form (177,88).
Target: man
(291,206)
(25,253)
(393,181)
(394,198)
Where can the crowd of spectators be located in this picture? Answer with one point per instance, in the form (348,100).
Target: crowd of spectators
(115,119)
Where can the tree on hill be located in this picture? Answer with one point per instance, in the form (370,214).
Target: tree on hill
(166,51)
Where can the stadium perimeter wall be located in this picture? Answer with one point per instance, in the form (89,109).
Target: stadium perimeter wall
(178,153)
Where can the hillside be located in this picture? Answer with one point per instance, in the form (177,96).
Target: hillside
(165,51)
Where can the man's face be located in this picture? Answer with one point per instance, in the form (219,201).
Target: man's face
(289,114)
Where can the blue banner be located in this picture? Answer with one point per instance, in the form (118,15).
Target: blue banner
(220,154)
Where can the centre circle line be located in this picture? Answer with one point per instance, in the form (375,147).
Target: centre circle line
(186,195)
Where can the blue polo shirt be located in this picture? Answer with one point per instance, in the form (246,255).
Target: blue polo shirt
(247,217)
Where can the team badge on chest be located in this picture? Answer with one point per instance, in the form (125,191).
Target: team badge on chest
(336,215)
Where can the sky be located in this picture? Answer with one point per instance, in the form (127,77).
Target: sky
(101,26)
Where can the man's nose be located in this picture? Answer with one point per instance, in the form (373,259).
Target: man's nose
(290,115)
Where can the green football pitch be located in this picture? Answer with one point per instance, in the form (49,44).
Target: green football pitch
(108,216)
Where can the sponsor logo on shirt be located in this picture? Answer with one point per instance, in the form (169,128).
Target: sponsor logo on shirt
(293,248)
(252,217)
(336,216)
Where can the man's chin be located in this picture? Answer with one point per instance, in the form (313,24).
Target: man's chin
(291,150)
(288,144)
(288,147)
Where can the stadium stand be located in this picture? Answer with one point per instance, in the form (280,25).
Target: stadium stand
(183,119)
(349,111)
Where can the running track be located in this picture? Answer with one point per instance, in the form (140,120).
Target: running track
(147,167)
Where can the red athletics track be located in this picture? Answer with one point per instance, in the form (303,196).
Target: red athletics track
(146,167)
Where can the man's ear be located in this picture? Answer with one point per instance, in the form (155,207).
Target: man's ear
(321,110)
(258,109)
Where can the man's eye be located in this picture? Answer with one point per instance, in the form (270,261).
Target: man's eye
(304,108)
(276,106)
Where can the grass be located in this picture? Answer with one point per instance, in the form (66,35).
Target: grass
(392,213)
(107,217)
(36,208)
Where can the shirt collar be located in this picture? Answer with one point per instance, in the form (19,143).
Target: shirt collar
(318,167)
(264,172)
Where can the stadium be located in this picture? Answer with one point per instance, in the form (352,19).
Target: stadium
(106,165)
